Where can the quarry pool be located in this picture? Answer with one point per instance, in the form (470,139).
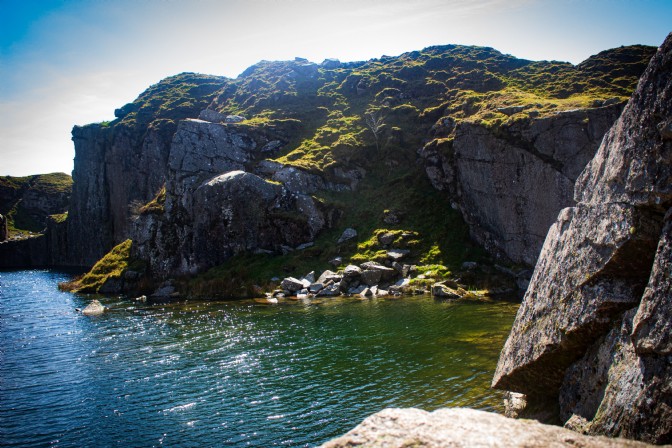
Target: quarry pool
(231,373)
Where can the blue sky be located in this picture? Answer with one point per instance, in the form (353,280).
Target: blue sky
(67,62)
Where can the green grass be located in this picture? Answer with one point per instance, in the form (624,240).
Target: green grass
(112,266)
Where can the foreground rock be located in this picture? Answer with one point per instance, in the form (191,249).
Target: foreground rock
(443,428)
(590,346)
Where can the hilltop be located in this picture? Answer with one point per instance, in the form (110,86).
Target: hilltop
(385,147)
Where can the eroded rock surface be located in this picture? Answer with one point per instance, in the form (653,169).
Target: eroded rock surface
(396,428)
(592,337)
(511,182)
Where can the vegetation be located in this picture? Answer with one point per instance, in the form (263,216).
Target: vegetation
(371,118)
(111,267)
(24,216)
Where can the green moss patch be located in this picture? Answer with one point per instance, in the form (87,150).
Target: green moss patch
(112,266)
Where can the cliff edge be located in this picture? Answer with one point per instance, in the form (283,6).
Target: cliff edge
(591,346)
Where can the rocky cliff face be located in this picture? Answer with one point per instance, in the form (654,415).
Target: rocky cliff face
(27,202)
(122,166)
(510,181)
(591,342)
(302,134)
(214,210)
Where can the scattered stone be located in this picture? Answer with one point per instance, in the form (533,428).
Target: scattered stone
(310,277)
(366,292)
(211,116)
(397,254)
(292,284)
(331,290)
(440,290)
(234,119)
(337,261)
(371,277)
(328,276)
(315,287)
(348,234)
(386,238)
(352,271)
(95,308)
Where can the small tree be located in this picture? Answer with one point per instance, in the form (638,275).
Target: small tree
(375,122)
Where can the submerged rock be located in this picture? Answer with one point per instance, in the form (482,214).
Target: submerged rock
(95,308)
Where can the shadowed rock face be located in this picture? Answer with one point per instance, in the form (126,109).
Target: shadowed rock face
(511,182)
(592,338)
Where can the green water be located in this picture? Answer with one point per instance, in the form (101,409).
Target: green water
(232,373)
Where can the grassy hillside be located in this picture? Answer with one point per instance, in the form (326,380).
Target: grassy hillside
(372,118)
(28,201)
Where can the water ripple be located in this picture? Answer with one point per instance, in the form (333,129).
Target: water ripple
(233,374)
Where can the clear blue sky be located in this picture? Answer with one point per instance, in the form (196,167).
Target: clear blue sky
(67,62)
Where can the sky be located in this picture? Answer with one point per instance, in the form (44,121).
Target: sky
(72,62)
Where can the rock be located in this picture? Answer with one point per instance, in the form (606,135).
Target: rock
(298,181)
(95,308)
(305,245)
(352,271)
(366,292)
(328,276)
(386,273)
(386,238)
(441,291)
(371,277)
(315,287)
(4,232)
(489,172)
(462,427)
(211,116)
(310,277)
(331,290)
(127,162)
(331,63)
(234,119)
(510,110)
(293,285)
(336,261)
(590,342)
(164,291)
(397,254)
(348,234)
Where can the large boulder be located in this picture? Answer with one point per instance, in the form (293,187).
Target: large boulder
(226,215)
(463,428)
(591,341)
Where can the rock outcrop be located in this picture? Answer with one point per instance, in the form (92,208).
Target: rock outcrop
(510,182)
(120,167)
(3,228)
(214,209)
(463,428)
(591,341)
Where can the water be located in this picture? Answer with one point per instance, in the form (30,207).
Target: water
(233,373)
